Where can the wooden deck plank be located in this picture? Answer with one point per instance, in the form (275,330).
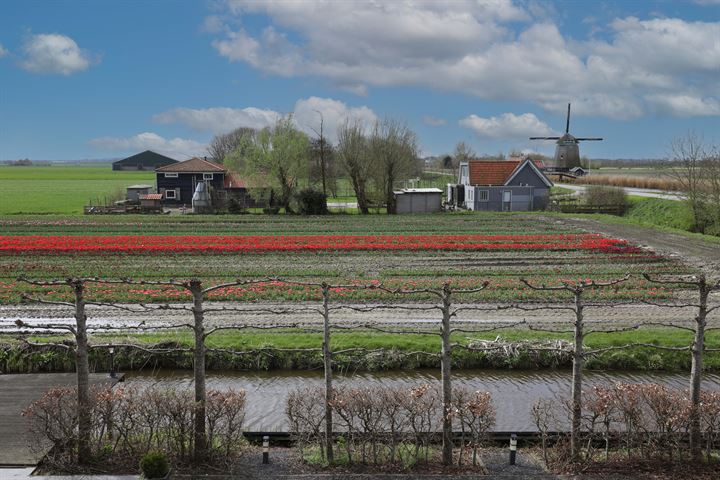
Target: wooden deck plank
(16,393)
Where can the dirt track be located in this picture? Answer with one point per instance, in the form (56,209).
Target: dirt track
(693,251)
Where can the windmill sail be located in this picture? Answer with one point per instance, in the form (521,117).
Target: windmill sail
(567,150)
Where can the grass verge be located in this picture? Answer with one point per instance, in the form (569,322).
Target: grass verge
(398,351)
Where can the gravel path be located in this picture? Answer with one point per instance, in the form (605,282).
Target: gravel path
(402,315)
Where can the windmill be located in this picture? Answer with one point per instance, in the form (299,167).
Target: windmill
(567,152)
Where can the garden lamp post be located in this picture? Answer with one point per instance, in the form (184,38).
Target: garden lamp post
(111,351)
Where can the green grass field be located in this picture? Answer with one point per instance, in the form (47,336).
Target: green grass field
(62,189)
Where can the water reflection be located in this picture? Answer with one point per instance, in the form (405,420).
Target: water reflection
(513,392)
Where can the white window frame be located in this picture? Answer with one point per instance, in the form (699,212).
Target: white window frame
(171,175)
(174,194)
(483,195)
(207,176)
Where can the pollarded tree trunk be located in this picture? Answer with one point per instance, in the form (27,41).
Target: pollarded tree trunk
(83,371)
(389,192)
(359,188)
(445,365)
(327,361)
(697,349)
(199,431)
(578,358)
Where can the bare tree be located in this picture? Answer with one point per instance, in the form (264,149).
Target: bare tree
(463,153)
(224,144)
(688,167)
(353,155)
(578,307)
(82,366)
(704,288)
(394,151)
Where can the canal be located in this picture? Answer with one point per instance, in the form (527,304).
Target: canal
(514,392)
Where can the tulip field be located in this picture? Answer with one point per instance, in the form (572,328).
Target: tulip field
(398,251)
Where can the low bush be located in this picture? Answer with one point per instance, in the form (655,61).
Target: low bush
(604,196)
(311,202)
(154,465)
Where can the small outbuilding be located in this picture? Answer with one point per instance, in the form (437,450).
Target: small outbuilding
(135,191)
(147,160)
(418,200)
(501,185)
(151,202)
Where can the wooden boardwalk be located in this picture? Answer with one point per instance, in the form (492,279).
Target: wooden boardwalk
(16,393)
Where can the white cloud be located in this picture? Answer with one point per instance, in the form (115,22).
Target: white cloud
(433,121)
(685,105)
(334,113)
(219,119)
(179,148)
(212,24)
(507,125)
(305,114)
(3,51)
(474,48)
(54,53)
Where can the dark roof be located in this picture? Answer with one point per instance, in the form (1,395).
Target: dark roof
(194,165)
(148,158)
(491,172)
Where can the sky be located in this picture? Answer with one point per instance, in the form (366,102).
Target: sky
(107,79)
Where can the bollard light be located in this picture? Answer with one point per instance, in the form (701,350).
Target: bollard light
(111,351)
(513,448)
(266,449)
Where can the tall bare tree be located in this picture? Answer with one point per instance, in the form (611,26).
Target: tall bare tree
(688,166)
(353,156)
(224,144)
(394,151)
(577,290)
(704,288)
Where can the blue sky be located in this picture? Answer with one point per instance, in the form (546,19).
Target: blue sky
(100,79)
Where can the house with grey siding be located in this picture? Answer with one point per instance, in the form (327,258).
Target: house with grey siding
(502,185)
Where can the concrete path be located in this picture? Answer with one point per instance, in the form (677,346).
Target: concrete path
(638,192)
(16,393)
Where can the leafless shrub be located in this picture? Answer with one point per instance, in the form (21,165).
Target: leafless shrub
(710,420)
(128,422)
(377,425)
(475,414)
(305,410)
(543,415)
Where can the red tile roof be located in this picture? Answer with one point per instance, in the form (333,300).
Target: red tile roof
(194,165)
(232,180)
(491,172)
(151,196)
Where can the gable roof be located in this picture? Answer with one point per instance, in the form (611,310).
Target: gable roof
(491,172)
(147,158)
(529,163)
(501,172)
(194,165)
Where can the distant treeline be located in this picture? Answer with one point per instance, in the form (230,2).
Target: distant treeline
(626,162)
(26,162)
